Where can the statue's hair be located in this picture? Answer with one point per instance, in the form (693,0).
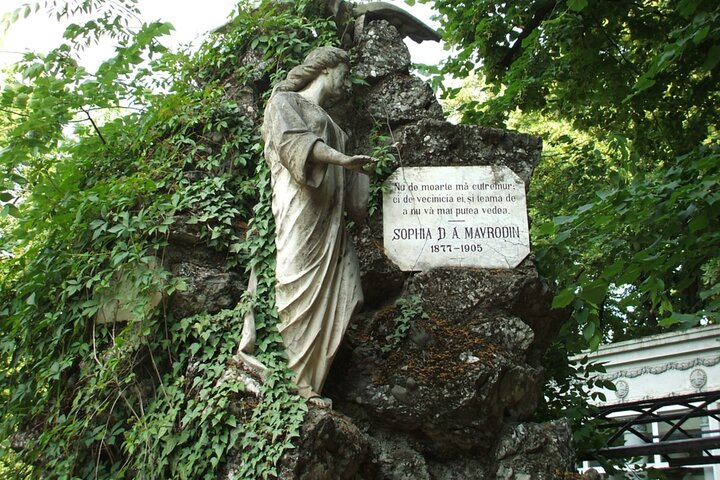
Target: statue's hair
(316,61)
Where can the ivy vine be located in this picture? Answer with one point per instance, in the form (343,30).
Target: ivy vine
(149,398)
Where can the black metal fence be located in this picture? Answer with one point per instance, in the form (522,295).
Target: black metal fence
(679,445)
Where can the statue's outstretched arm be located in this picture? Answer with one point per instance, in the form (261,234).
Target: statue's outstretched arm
(321,153)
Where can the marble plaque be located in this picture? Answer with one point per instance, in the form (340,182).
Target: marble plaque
(455,217)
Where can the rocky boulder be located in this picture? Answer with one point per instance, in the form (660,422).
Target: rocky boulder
(401,99)
(380,51)
(535,452)
(209,285)
(431,142)
(331,448)
(436,376)
(453,381)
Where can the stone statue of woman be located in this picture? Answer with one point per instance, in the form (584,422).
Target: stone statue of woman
(314,183)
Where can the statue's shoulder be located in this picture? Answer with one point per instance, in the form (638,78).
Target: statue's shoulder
(286,97)
(281,101)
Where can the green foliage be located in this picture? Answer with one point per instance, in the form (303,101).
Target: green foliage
(647,227)
(382,150)
(410,309)
(626,218)
(624,202)
(276,421)
(83,211)
(274,424)
(565,396)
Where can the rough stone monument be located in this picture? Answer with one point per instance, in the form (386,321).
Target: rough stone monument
(439,375)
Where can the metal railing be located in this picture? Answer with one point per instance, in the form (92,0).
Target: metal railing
(674,412)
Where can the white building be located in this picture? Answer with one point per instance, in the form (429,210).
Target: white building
(668,387)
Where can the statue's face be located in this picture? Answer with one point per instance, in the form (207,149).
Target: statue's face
(336,81)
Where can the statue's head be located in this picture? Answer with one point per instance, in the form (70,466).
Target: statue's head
(315,63)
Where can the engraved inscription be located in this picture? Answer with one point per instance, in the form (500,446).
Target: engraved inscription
(455,216)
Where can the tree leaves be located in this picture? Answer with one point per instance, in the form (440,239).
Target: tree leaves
(624,203)
(628,92)
(94,207)
(577,5)
(564,298)
(712,59)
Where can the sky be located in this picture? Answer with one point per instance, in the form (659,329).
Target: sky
(191,19)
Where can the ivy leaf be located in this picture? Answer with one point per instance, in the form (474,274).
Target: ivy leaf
(701,34)
(594,342)
(594,293)
(713,58)
(705,294)
(117,259)
(688,320)
(10,209)
(643,83)
(582,315)
(577,5)
(698,223)
(564,298)
(562,220)
(589,330)
(611,271)
(547,228)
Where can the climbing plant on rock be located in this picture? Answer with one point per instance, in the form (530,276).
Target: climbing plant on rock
(153,147)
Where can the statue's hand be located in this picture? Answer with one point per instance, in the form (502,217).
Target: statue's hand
(358,163)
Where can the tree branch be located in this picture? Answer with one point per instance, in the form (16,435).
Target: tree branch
(97,130)
(12,112)
(113,107)
(615,46)
(543,10)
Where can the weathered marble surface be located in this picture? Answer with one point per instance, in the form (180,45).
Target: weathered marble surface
(314,184)
(469,217)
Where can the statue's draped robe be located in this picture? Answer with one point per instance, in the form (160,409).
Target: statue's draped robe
(318,281)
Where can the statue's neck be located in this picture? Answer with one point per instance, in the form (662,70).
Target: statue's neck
(315,92)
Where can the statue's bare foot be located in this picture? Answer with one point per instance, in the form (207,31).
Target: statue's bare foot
(320,402)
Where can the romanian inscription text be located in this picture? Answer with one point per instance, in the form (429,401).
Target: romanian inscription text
(462,216)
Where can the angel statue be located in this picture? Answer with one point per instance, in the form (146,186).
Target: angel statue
(314,184)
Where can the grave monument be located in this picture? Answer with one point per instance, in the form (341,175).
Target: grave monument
(448,391)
